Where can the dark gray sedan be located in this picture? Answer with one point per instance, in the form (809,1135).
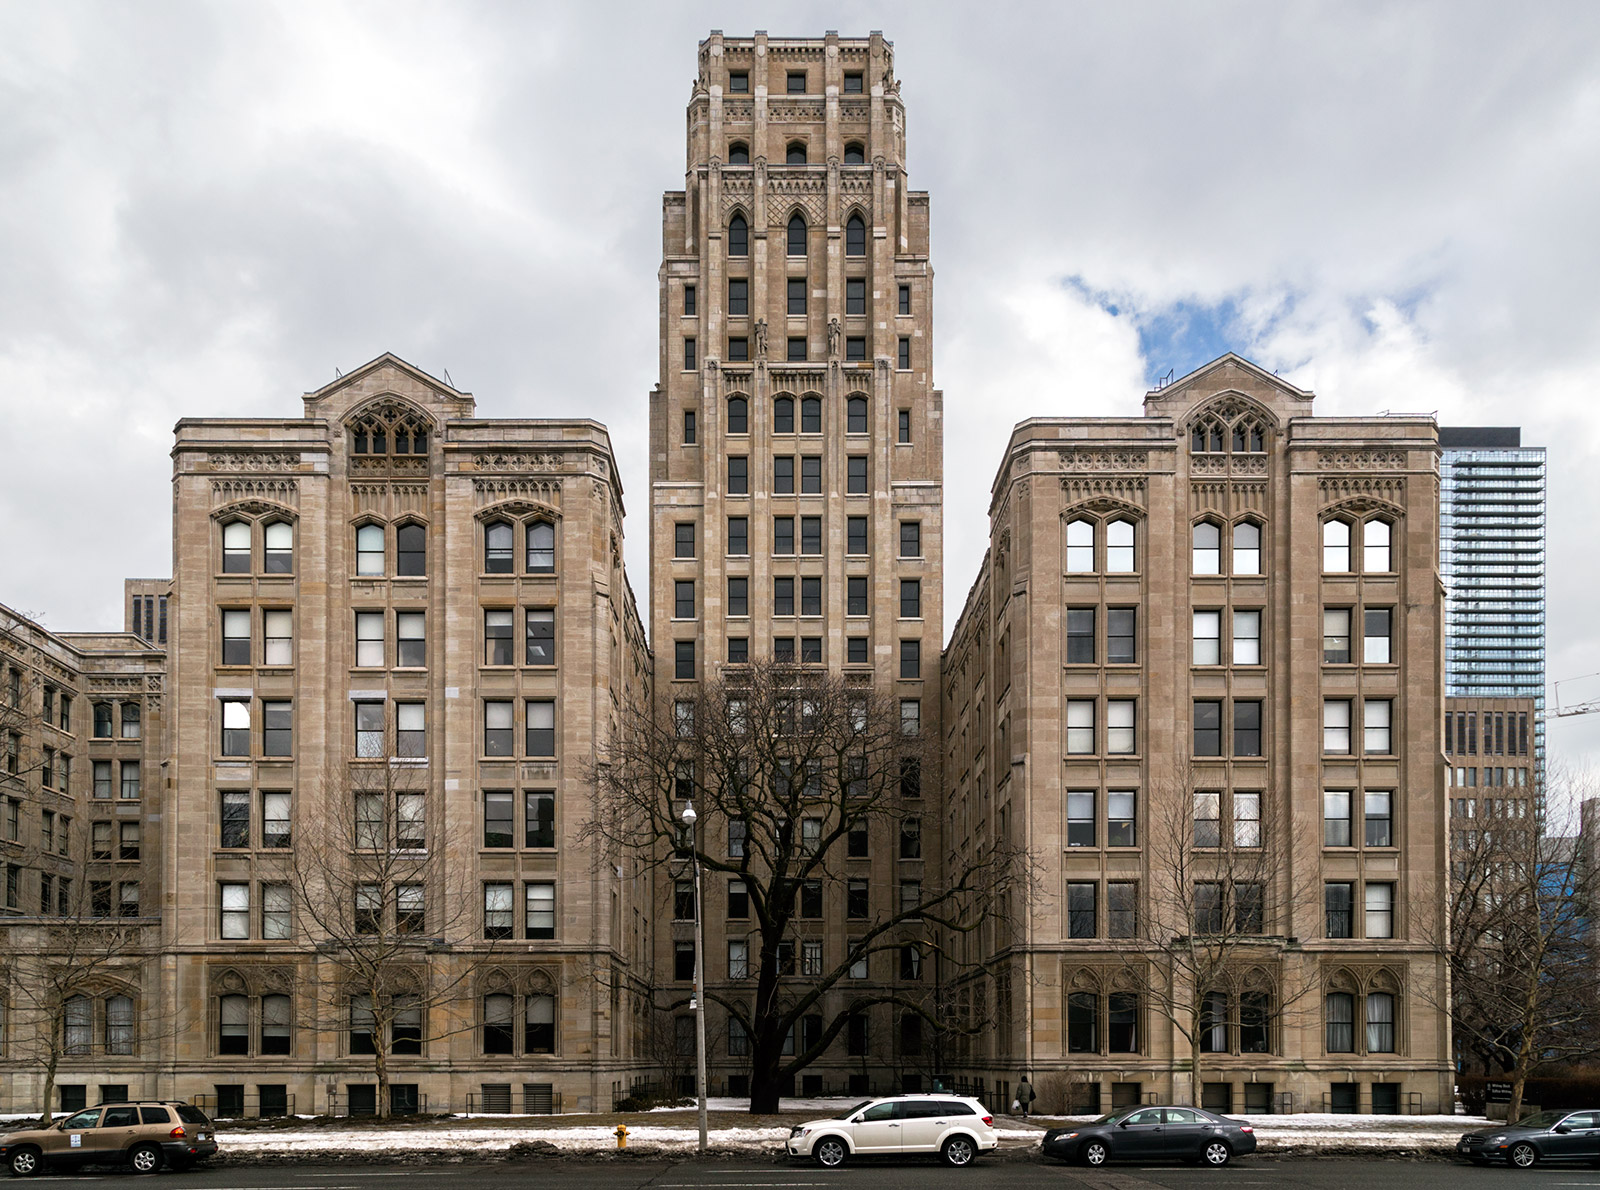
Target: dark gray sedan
(1152,1134)
(1548,1136)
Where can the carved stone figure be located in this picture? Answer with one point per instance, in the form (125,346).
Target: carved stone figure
(835,334)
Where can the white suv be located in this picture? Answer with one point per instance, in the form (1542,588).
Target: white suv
(955,1127)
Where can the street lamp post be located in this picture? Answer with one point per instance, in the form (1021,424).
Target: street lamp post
(699,1004)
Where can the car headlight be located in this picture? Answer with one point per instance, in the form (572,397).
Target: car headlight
(1497,1140)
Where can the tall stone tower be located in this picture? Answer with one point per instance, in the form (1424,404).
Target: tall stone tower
(795,433)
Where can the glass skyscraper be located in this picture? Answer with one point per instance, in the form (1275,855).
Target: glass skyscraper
(1491,556)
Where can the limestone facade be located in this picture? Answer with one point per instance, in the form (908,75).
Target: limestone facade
(1223,617)
(796,438)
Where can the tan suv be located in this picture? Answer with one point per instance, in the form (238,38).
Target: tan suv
(143,1135)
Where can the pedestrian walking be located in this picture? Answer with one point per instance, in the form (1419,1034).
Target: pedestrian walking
(1025,1096)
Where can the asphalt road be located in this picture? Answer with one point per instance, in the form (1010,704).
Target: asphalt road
(640,1174)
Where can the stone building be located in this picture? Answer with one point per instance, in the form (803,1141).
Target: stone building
(389,584)
(1199,675)
(796,439)
(82,728)
(1492,766)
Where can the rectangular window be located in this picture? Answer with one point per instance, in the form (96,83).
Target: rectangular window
(1249,907)
(1336,635)
(1379,910)
(277,731)
(783,535)
(1081,909)
(796,353)
(738,650)
(904,300)
(683,660)
(541,739)
(739,82)
(688,414)
(497,819)
(811,650)
(278,635)
(497,910)
(797,82)
(130,721)
(1209,909)
(910,716)
(1120,626)
(102,778)
(497,636)
(1336,726)
(1380,1039)
(1379,818)
(540,623)
(856,475)
(795,293)
(411,636)
(1246,728)
(235,911)
(1122,818)
(1246,819)
(235,640)
(1375,629)
(810,535)
(853,82)
(1080,819)
(738,960)
(783,649)
(856,536)
(1120,735)
(1375,715)
(1336,818)
(783,475)
(903,356)
(1122,909)
(235,818)
(855,296)
(911,539)
(910,659)
(738,900)
(275,826)
(811,597)
(1336,901)
(1080,727)
(100,840)
(235,727)
(856,650)
(539,818)
(1207,728)
(1080,635)
(689,290)
(738,348)
(1208,638)
(369,729)
(910,599)
(369,640)
(683,599)
(1247,638)
(738,475)
(783,596)
(275,917)
(497,728)
(738,597)
(683,539)
(1340,1008)
(903,433)
(540,910)
(1207,818)
(738,297)
(855,349)
(738,536)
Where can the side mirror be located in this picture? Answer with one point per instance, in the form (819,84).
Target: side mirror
(1122,1123)
(1563,1129)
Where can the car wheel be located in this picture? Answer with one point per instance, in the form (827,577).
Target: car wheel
(1523,1155)
(1095,1153)
(145,1159)
(830,1152)
(958,1151)
(26,1162)
(1217,1154)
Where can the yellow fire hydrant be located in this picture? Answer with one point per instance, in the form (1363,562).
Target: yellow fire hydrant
(622,1136)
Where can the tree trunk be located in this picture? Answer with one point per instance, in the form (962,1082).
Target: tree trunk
(765,1078)
(1194,1063)
(381,1068)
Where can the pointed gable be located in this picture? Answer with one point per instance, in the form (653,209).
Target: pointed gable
(388,376)
(1233,381)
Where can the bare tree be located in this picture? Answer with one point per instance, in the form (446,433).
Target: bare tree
(1523,988)
(78,982)
(370,879)
(1207,961)
(798,762)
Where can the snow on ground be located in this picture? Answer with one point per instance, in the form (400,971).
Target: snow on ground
(1310,1129)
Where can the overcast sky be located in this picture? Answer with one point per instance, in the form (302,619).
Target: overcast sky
(207,208)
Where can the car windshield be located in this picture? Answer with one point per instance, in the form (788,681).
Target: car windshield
(850,1111)
(1545,1119)
(1117,1115)
(191,1115)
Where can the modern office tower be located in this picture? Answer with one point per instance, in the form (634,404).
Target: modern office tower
(1491,556)
(1199,675)
(795,434)
(399,633)
(82,733)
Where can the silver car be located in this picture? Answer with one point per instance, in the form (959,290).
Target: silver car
(953,1126)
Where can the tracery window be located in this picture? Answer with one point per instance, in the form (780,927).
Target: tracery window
(389,430)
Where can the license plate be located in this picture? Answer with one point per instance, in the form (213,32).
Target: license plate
(199,1135)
